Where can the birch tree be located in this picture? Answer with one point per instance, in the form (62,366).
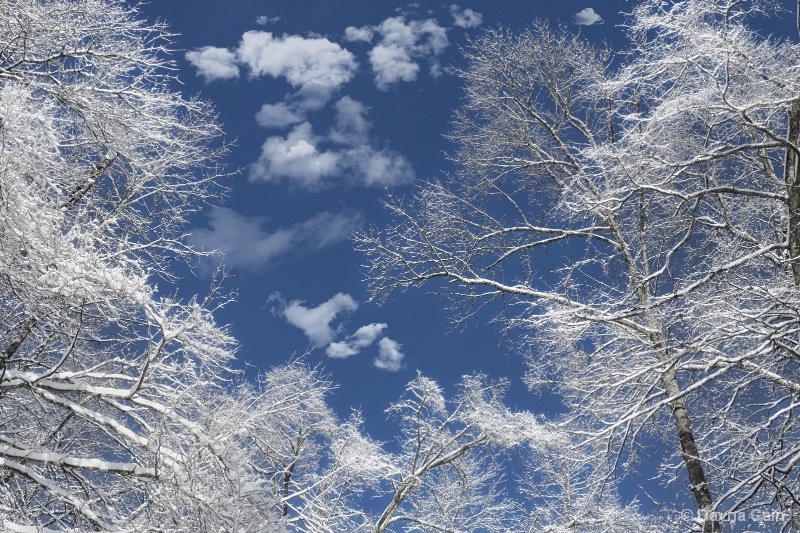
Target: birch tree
(636,217)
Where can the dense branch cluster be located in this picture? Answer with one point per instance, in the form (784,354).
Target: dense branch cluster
(99,166)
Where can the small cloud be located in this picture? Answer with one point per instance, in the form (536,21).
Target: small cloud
(392,64)
(390,356)
(351,126)
(437,70)
(213,63)
(317,324)
(587,17)
(295,158)
(316,321)
(353,344)
(340,350)
(372,167)
(248,246)
(465,18)
(263,20)
(403,43)
(353,34)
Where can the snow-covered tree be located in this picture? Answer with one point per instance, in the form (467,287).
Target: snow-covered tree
(448,475)
(637,217)
(468,463)
(110,391)
(319,467)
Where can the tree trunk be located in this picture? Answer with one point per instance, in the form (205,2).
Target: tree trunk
(669,380)
(792,178)
(691,455)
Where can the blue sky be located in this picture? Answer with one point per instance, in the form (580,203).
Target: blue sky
(332,105)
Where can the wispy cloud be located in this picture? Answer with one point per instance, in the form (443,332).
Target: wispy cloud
(587,17)
(346,155)
(279,115)
(247,245)
(465,18)
(263,20)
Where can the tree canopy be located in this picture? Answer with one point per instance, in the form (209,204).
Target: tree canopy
(635,213)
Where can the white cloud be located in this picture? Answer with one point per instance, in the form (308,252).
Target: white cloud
(279,115)
(263,20)
(397,32)
(316,321)
(318,325)
(248,246)
(345,155)
(366,335)
(312,97)
(301,60)
(295,158)
(586,17)
(353,34)
(438,70)
(340,350)
(465,18)
(394,58)
(213,63)
(392,65)
(390,356)
(378,168)
(316,66)
(353,344)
